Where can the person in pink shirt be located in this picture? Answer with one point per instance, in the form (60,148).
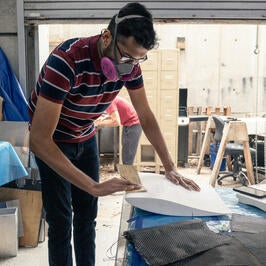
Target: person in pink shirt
(121,112)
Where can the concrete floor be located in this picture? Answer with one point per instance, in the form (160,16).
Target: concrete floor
(108,222)
(106,238)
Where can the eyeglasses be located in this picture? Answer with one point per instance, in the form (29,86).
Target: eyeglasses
(129,59)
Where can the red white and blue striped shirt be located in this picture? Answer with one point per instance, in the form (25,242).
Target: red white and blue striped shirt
(72,76)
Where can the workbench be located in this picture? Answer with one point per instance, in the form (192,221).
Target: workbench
(134,218)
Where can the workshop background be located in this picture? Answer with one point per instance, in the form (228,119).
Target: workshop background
(215,50)
(211,54)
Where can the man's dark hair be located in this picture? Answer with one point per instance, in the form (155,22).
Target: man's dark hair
(141,28)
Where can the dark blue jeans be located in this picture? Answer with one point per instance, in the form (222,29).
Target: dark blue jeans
(60,198)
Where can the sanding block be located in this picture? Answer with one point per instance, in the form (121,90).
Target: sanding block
(129,172)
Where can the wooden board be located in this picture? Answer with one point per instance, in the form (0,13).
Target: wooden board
(31,210)
(164,197)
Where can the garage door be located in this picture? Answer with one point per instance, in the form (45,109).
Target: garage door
(63,9)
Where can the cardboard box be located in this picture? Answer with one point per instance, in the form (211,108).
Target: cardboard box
(31,212)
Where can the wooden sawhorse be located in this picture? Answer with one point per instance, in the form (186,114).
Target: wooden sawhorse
(233,131)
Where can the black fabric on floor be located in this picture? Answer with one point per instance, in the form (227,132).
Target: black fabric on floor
(191,243)
(248,224)
(255,243)
(166,244)
(233,253)
(251,232)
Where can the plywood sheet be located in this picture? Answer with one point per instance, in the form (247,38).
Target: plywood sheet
(164,197)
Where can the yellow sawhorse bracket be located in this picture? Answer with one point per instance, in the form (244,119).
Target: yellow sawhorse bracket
(233,131)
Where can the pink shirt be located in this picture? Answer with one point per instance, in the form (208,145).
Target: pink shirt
(127,113)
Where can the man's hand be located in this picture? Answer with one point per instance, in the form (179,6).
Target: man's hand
(178,179)
(114,185)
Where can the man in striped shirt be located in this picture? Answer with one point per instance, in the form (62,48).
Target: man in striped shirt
(77,83)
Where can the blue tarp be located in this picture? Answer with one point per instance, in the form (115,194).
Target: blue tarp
(15,104)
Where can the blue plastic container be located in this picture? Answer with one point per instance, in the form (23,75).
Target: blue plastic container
(213,153)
